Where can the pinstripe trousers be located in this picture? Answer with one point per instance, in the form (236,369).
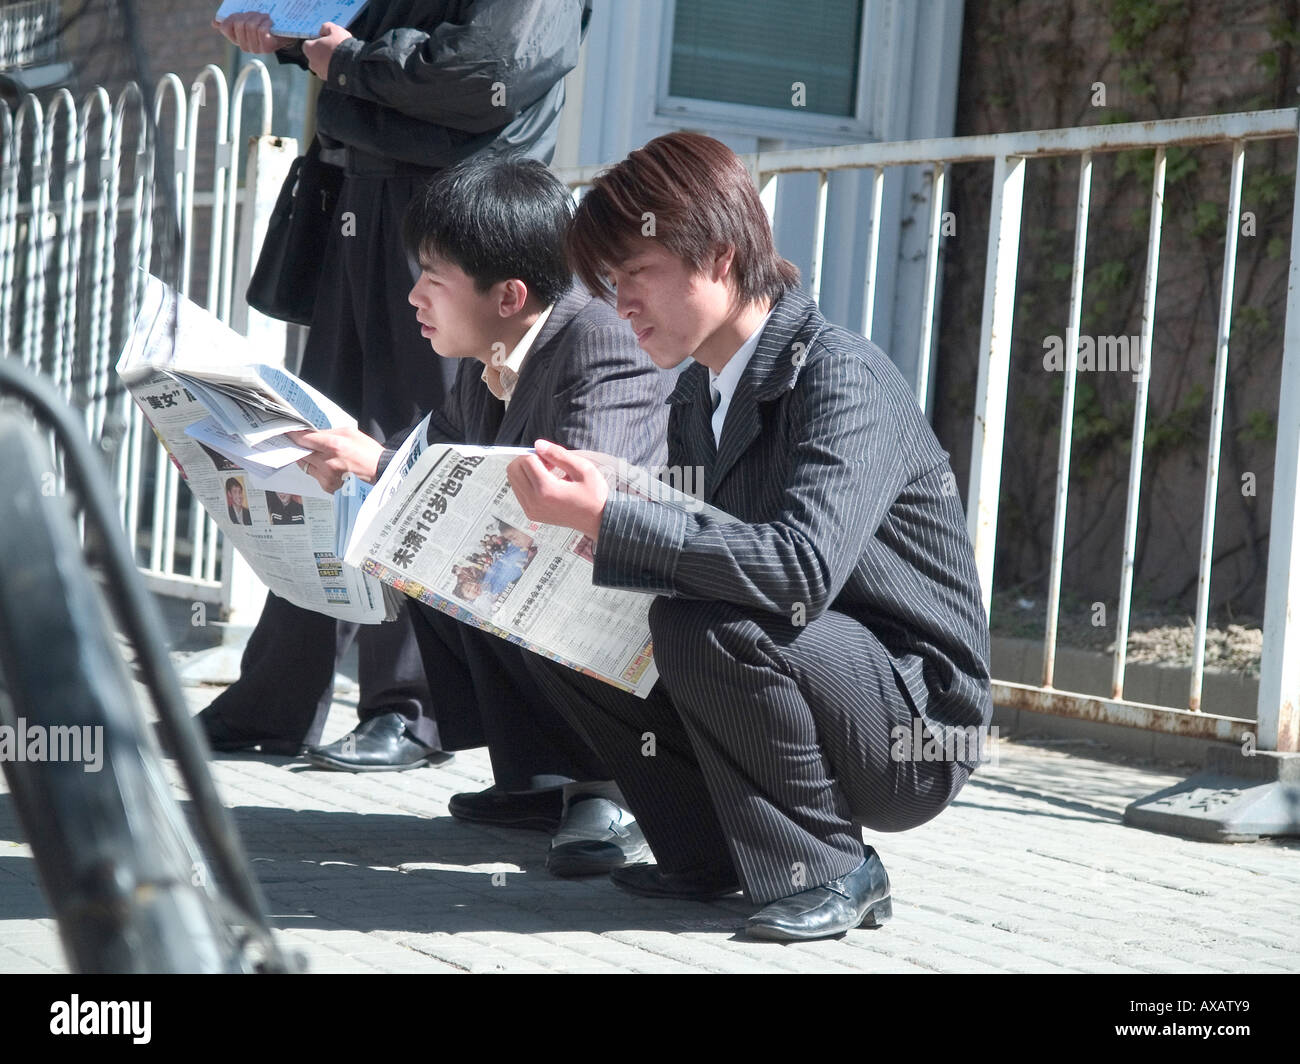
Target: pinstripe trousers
(763,746)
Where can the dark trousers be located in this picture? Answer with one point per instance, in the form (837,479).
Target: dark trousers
(366,353)
(487,695)
(762,748)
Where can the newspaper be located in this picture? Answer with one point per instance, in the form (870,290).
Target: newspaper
(443,526)
(221,418)
(296,18)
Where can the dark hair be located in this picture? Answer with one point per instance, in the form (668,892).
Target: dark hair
(233,482)
(496,217)
(699,197)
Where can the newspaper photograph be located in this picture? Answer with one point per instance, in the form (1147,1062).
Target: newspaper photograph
(443,526)
(211,408)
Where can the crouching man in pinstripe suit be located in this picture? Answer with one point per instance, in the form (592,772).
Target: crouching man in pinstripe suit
(792,645)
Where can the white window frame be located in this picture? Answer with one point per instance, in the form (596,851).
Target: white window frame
(754,121)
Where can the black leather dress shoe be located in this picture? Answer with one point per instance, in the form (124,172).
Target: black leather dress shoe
(531,810)
(650,881)
(593,840)
(224,738)
(858,899)
(380,744)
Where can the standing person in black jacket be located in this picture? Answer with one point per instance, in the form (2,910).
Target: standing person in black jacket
(413,86)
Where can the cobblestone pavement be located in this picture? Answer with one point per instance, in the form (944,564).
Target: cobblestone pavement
(1030,870)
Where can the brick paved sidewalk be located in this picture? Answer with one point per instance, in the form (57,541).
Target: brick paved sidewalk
(1030,870)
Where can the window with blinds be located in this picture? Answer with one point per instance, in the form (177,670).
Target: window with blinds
(748,52)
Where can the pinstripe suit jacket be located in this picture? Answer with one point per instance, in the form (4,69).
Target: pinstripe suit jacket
(846,502)
(585,385)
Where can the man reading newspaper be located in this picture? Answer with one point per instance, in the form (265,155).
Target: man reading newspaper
(842,603)
(538,357)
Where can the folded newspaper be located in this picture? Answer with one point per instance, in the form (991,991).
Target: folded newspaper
(296,18)
(221,418)
(443,526)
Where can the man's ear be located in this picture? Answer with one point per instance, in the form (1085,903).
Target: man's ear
(513,297)
(722,262)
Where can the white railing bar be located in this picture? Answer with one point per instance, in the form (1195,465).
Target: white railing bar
(1278,708)
(216,244)
(1139,426)
(931,286)
(819,237)
(8,226)
(128,469)
(65,312)
(1033,144)
(213,551)
(258,69)
(162,540)
(873,251)
(1216,426)
(217,241)
(1000,268)
(767,193)
(34,287)
(97,344)
(1067,416)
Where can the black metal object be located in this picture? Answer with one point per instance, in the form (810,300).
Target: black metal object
(127,883)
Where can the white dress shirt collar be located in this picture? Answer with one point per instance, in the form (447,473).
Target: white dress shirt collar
(501,379)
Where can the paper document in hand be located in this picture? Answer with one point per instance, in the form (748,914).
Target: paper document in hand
(178,359)
(450,533)
(296,18)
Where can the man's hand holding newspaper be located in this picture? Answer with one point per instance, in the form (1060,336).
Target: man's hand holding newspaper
(561,487)
(338,453)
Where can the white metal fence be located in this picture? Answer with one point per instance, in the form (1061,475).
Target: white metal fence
(1277,726)
(84,191)
(79,196)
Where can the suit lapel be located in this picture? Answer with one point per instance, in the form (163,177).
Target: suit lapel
(771,372)
(480,411)
(511,431)
(518,413)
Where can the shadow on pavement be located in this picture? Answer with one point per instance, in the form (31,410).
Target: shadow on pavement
(407,873)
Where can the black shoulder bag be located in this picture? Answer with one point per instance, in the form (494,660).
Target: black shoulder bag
(287,274)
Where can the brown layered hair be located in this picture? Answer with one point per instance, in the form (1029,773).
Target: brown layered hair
(700,198)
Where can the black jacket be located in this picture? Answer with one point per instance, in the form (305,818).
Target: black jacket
(431,82)
(845,501)
(585,385)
